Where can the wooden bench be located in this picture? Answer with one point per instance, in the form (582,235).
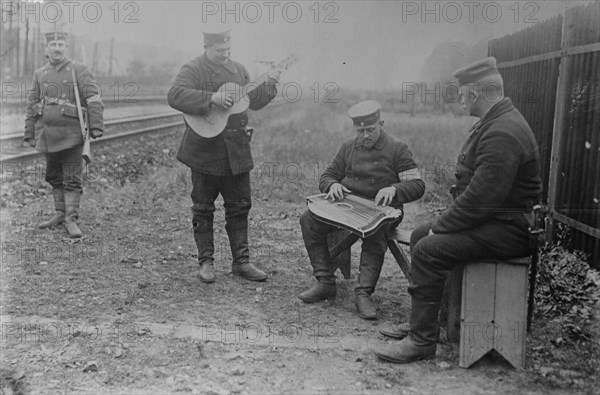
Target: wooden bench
(485,301)
(494,310)
(343,240)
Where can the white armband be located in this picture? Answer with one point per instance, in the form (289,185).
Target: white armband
(408,175)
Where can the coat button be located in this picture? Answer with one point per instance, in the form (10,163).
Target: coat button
(372,181)
(376,162)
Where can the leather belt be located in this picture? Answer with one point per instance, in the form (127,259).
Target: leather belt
(54,100)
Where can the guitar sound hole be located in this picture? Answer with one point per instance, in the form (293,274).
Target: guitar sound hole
(343,206)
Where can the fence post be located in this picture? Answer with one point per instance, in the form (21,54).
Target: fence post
(559,116)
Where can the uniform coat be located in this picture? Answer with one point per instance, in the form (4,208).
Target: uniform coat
(227,153)
(498,182)
(498,176)
(366,171)
(55,124)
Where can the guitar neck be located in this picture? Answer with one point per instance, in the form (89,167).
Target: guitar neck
(255,84)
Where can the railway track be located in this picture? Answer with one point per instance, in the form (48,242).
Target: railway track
(14,150)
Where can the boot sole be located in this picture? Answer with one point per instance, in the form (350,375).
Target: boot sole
(368,317)
(307,300)
(49,226)
(250,278)
(402,361)
(394,335)
(207,280)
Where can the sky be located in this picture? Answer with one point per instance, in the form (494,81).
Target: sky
(363,44)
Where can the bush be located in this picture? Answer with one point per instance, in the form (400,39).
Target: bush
(567,290)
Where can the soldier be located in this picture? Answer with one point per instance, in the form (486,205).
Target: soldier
(220,164)
(52,101)
(498,183)
(373,165)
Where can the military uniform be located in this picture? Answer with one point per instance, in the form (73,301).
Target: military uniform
(52,126)
(220,164)
(364,171)
(497,183)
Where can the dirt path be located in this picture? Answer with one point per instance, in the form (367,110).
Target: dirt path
(123,311)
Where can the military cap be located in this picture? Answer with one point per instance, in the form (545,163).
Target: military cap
(476,71)
(216,35)
(53,36)
(365,113)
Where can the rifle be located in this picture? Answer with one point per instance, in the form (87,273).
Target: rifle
(86,154)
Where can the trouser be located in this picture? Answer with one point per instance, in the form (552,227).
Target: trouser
(64,169)
(433,256)
(374,247)
(237,196)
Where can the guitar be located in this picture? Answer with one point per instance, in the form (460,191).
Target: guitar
(214,121)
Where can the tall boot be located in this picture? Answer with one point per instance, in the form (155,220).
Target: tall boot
(237,231)
(59,206)
(72,202)
(325,289)
(422,337)
(370,268)
(203,235)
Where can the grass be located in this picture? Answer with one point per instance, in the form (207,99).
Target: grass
(298,146)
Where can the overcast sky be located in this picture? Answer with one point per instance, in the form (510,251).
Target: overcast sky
(365,44)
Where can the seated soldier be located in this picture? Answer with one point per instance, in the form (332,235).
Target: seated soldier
(372,165)
(497,184)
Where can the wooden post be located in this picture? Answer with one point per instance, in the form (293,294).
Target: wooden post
(559,116)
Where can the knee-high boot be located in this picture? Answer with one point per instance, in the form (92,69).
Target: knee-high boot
(72,202)
(204,238)
(422,337)
(59,207)
(237,231)
(369,271)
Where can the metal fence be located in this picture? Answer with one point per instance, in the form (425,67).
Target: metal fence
(552,73)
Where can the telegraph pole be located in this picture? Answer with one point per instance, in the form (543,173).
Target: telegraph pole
(110,58)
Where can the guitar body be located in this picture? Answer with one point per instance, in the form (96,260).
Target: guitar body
(213,122)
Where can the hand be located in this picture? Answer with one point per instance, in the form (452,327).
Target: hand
(95,133)
(274,75)
(31,142)
(385,196)
(222,99)
(336,191)
(430,232)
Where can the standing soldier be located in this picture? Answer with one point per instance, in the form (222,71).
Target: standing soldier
(58,135)
(219,164)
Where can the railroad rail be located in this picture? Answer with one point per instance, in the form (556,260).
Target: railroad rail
(23,153)
(10,103)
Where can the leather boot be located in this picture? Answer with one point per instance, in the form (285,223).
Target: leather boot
(324,289)
(365,306)
(72,201)
(369,270)
(399,331)
(422,337)
(207,272)
(203,236)
(238,241)
(59,206)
